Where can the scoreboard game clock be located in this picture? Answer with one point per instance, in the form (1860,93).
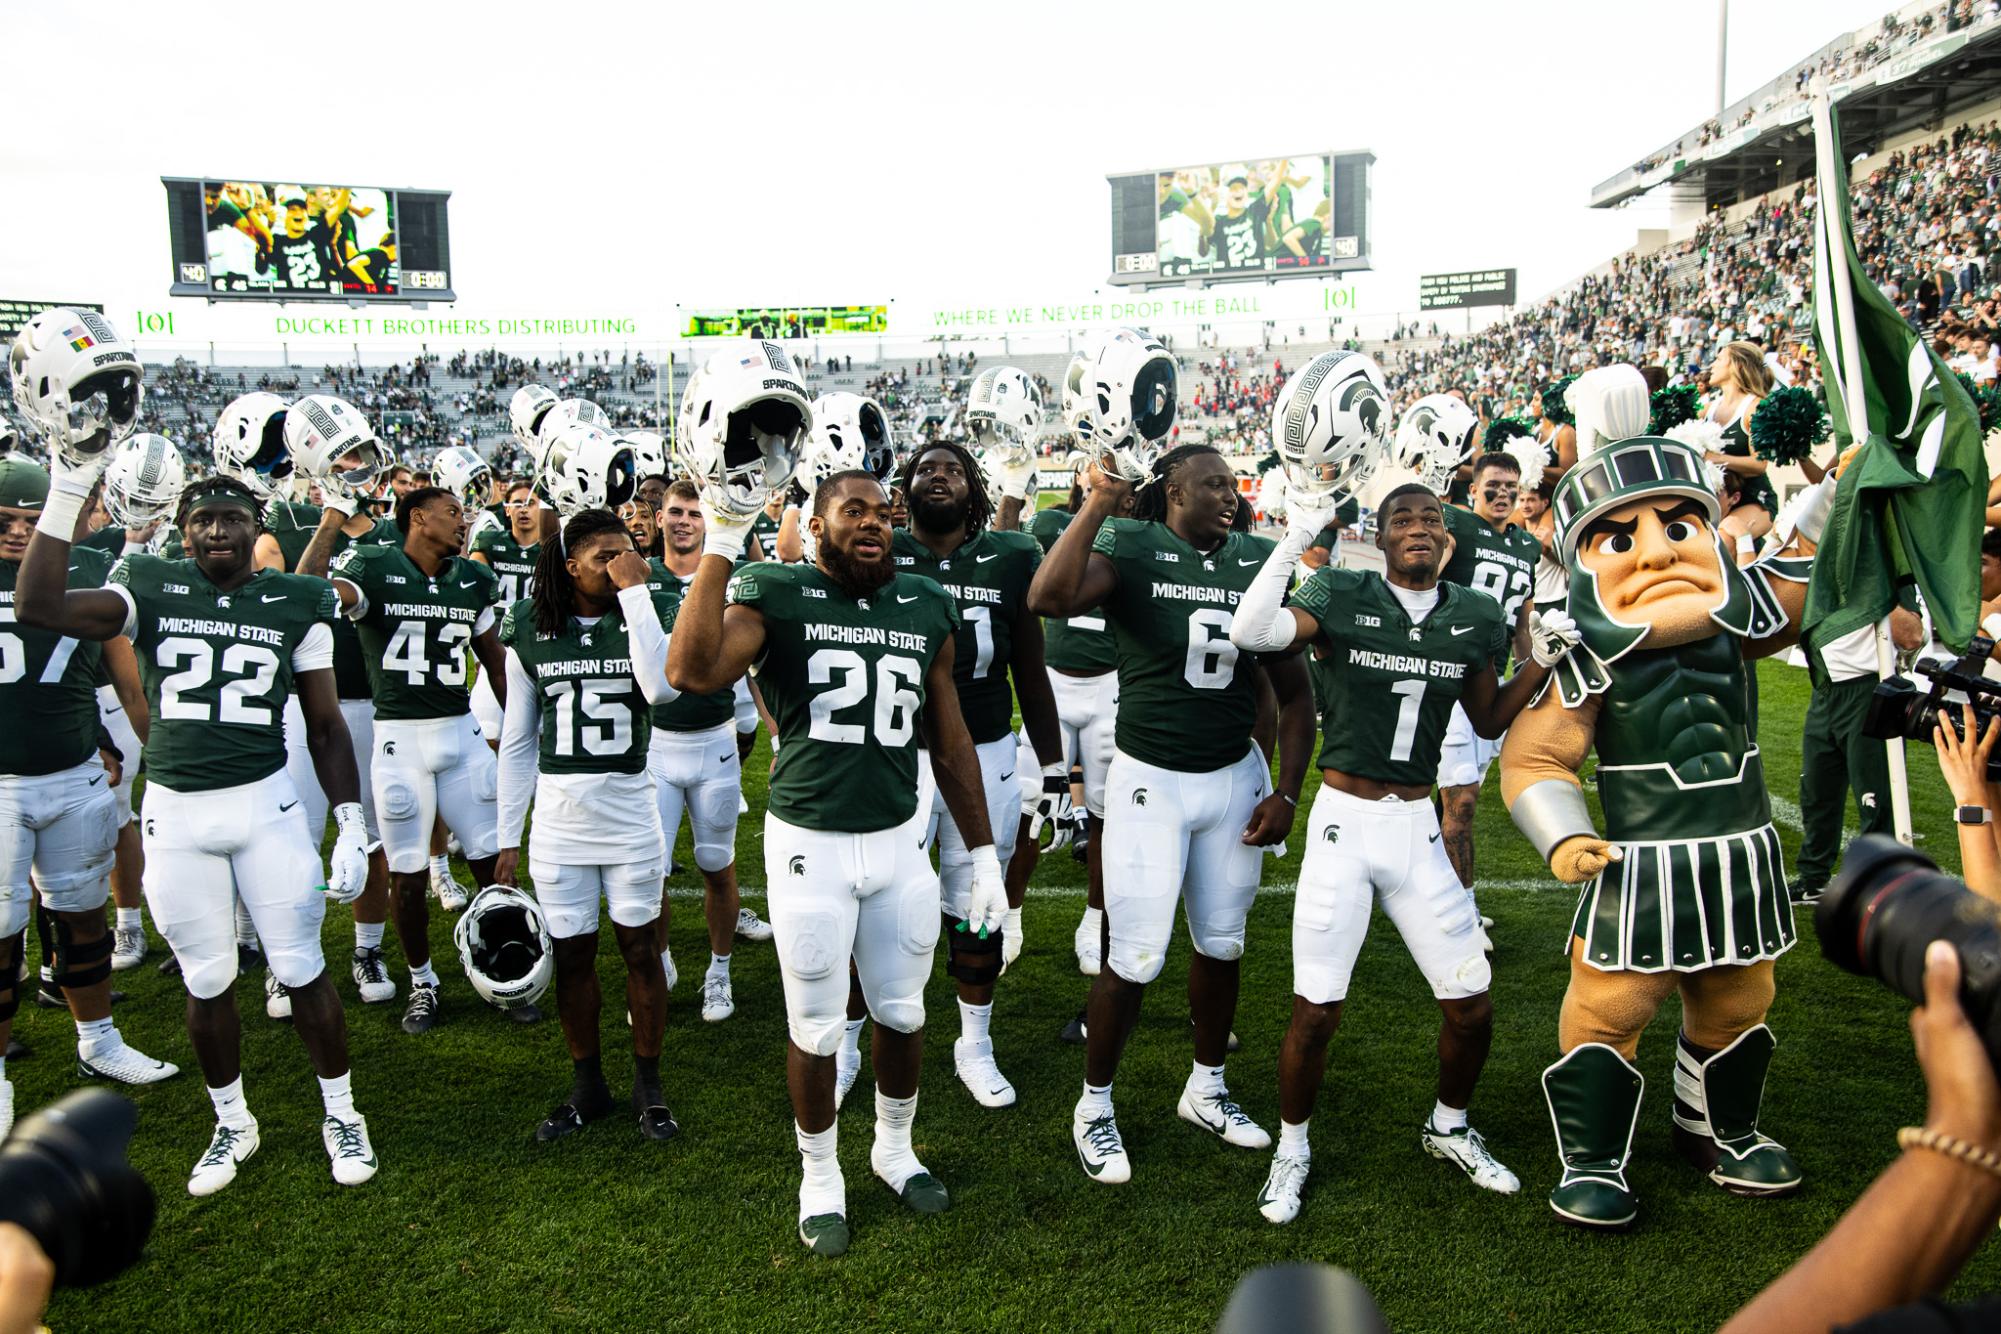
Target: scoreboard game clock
(304,240)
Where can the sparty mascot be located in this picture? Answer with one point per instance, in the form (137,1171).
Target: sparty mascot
(1687,889)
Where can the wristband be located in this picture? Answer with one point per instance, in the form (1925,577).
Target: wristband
(726,542)
(132,548)
(61,511)
(1290,801)
(1914,1137)
(1746,544)
(349,820)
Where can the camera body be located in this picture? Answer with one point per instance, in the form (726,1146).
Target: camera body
(1899,709)
(64,1177)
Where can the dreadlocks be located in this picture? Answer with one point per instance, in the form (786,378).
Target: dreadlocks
(555,592)
(979,505)
(1150,500)
(220,485)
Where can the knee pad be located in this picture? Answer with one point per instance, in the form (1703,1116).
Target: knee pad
(206,979)
(1134,961)
(817,1036)
(13,912)
(901,1014)
(1213,940)
(295,967)
(970,959)
(80,964)
(399,800)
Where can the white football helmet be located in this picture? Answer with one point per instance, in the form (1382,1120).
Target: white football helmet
(847,420)
(143,482)
(1434,436)
(249,442)
(460,470)
(1330,425)
(1003,411)
(746,418)
(525,411)
(504,947)
(1076,402)
(1129,390)
(584,468)
(333,444)
(10,438)
(649,453)
(77,382)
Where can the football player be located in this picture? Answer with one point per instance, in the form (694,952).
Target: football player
(1488,553)
(1404,637)
(697,768)
(419,608)
(509,550)
(987,574)
(586,657)
(221,644)
(1188,796)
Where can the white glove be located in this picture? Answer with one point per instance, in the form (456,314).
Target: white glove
(1017,476)
(70,486)
(1053,804)
(727,530)
(1010,937)
(1551,635)
(349,873)
(986,902)
(338,499)
(1307,516)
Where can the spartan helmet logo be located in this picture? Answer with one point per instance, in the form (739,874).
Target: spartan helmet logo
(1139,796)
(797,866)
(1333,834)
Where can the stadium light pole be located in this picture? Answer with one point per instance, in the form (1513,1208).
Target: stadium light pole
(1722,49)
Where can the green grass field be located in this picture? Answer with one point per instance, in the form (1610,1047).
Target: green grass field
(472,1226)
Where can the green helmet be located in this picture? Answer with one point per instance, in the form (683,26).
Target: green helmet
(24,485)
(1620,473)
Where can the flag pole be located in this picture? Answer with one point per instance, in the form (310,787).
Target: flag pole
(1854,391)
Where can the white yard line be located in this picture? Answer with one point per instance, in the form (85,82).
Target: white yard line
(1282,888)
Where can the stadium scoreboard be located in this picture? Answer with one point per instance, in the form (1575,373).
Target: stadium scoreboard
(1481,287)
(15,314)
(1256,218)
(275,240)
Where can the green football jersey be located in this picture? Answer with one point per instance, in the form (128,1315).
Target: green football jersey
(292,525)
(1186,699)
(987,575)
(512,564)
(417,630)
(685,712)
(594,716)
(1498,562)
(1387,687)
(217,666)
(844,680)
(171,546)
(765,529)
(48,682)
(109,539)
(1071,643)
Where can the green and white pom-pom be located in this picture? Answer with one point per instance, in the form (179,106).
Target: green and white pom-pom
(1503,429)
(1554,405)
(1533,456)
(1698,433)
(1712,476)
(1787,425)
(1672,406)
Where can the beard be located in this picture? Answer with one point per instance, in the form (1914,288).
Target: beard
(936,516)
(855,577)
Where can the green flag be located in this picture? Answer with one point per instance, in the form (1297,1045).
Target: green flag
(1911,506)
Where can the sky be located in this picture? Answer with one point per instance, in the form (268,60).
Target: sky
(642,156)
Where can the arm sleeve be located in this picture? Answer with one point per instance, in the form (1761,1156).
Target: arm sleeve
(315,651)
(519,727)
(131,625)
(1263,623)
(648,641)
(485,621)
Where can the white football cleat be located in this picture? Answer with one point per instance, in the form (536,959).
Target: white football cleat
(1089,958)
(1215,1113)
(749,926)
(277,997)
(126,1064)
(451,894)
(372,978)
(1100,1148)
(1011,937)
(1278,1201)
(128,947)
(1465,1148)
(230,1146)
(347,1145)
(717,1002)
(847,1068)
(981,1074)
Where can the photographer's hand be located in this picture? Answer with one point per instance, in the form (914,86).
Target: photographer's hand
(26,1277)
(1963,755)
(1959,1075)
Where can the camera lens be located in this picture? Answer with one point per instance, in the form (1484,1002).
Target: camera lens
(1886,908)
(64,1178)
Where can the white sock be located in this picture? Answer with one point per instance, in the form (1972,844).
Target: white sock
(973,1021)
(1447,1118)
(338,1095)
(246,930)
(1093,923)
(1292,1140)
(442,866)
(1205,1079)
(130,919)
(821,1189)
(424,974)
(230,1107)
(368,935)
(1095,1103)
(96,1034)
(851,1039)
(892,1157)
(719,966)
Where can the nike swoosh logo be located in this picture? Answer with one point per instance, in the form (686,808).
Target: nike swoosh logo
(1250,562)
(1216,1125)
(95,781)
(267,597)
(1458,630)
(1093,1168)
(1434,838)
(286,807)
(1004,777)
(468,583)
(901,598)
(982,560)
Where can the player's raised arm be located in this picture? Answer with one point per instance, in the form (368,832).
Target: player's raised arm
(1071,579)
(713,645)
(1263,623)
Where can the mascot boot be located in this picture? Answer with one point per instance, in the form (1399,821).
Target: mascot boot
(1716,1098)
(1594,1102)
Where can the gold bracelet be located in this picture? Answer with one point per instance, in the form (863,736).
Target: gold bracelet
(1916,1137)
